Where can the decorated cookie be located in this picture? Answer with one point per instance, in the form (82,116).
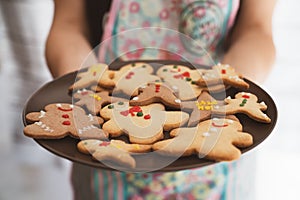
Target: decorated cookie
(92,76)
(94,101)
(91,145)
(60,120)
(182,81)
(130,77)
(245,103)
(143,124)
(200,109)
(215,139)
(106,151)
(222,74)
(156,93)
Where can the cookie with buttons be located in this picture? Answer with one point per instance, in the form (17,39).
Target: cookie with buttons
(129,78)
(105,151)
(142,124)
(200,109)
(90,76)
(246,103)
(62,119)
(222,74)
(114,150)
(182,80)
(94,101)
(215,139)
(156,93)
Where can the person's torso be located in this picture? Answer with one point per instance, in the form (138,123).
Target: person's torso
(172,29)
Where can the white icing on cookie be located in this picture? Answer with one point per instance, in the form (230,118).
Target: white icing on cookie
(135,98)
(44,126)
(42,114)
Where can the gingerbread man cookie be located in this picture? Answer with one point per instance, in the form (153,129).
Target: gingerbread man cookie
(245,103)
(216,139)
(60,120)
(114,150)
(222,74)
(94,101)
(156,93)
(201,109)
(93,76)
(130,77)
(182,80)
(143,124)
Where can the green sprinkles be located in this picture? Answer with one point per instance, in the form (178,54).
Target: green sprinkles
(120,103)
(188,79)
(110,106)
(243,102)
(175,66)
(165,70)
(139,114)
(133,64)
(144,66)
(157,81)
(193,82)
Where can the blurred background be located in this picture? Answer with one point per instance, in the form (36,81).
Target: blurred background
(29,172)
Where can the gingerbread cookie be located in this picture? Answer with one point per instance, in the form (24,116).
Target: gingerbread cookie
(245,103)
(216,139)
(91,145)
(143,124)
(130,77)
(60,120)
(182,81)
(222,74)
(156,93)
(106,151)
(201,109)
(94,101)
(92,76)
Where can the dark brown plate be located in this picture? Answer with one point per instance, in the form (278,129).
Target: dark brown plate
(57,91)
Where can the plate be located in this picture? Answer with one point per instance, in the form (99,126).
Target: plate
(57,91)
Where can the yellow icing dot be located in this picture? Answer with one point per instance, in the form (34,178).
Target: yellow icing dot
(117,146)
(202,102)
(98,98)
(136,146)
(205,105)
(208,107)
